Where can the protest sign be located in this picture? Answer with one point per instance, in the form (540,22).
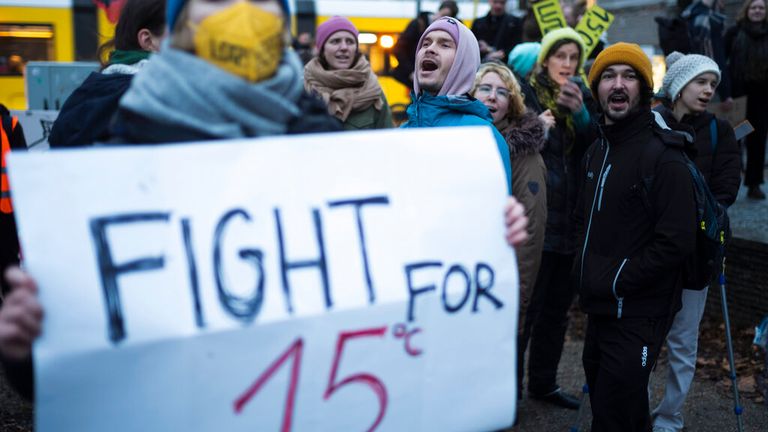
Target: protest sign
(355,281)
(37,125)
(549,15)
(592,25)
(735,115)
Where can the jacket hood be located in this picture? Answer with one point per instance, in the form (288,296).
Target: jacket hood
(685,130)
(461,76)
(525,135)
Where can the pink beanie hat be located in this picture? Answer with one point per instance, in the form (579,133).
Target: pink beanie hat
(462,74)
(326,29)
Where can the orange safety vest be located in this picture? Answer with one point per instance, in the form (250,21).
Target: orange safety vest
(5,194)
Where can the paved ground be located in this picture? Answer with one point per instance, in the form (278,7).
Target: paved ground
(709,407)
(749,218)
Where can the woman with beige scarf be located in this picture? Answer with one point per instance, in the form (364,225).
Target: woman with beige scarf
(342,77)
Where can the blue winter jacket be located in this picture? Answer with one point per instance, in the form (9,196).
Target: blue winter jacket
(439,111)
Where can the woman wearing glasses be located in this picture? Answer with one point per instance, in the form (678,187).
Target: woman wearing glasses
(496,87)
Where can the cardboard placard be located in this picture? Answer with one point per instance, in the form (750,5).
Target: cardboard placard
(735,115)
(354,281)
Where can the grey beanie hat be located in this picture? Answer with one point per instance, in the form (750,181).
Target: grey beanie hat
(682,69)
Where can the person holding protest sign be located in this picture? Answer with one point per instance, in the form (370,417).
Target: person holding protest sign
(746,45)
(85,117)
(563,96)
(189,93)
(446,63)
(635,237)
(206,84)
(496,87)
(342,77)
(688,87)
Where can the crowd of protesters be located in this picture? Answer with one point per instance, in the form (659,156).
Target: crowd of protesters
(589,224)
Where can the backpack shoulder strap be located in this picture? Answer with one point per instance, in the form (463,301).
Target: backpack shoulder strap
(713,133)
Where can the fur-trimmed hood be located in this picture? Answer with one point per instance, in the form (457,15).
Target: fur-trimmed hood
(524,135)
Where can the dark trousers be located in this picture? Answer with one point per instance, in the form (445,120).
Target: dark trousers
(757,114)
(618,357)
(546,322)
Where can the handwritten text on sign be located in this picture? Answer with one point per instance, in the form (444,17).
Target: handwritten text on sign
(330,282)
(592,25)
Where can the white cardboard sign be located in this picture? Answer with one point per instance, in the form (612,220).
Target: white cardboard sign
(355,281)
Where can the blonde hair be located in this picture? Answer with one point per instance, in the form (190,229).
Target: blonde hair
(516,105)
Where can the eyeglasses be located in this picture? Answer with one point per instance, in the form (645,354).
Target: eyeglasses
(485,90)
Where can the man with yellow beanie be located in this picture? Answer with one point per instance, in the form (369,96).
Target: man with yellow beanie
(635,234)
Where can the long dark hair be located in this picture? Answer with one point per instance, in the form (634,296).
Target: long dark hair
(741,16)
(135,15)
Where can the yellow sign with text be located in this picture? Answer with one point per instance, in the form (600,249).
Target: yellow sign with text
(593,24)
(549,15)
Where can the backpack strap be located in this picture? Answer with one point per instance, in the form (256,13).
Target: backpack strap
(713,133)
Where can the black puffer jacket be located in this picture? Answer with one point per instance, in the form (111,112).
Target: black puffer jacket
(720,165)
(85,117)
(634,241)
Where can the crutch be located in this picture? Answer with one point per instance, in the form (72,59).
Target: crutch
(737,408)
(580,412)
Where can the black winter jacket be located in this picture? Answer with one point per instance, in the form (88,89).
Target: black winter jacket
(501,32)
(85,117)
(634,242)
(563,172)
(721,166)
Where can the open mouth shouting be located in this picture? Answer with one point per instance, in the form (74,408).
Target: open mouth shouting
(428,65)
(618,101)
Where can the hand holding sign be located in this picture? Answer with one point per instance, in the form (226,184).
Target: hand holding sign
(21,316)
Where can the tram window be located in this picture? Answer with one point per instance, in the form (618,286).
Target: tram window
(20,43)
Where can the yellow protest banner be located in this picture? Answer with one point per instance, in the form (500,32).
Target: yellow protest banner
(592,25)
(549,15)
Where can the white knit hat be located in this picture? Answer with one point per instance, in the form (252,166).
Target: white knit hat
(682,69)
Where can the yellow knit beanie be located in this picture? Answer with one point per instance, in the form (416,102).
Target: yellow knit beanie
(621,53)
(553,36)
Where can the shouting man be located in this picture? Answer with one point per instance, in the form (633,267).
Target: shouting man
(635,236)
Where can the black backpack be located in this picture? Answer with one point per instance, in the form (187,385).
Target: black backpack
(713,225)
(673,35)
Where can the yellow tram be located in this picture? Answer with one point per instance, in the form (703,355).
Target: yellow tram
(70,30)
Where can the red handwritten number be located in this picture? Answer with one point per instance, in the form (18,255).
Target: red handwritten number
(363,378)
(293,351)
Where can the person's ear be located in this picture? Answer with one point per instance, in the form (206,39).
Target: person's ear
(148,41)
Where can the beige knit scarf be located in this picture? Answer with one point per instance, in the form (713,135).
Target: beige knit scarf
(344,90)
